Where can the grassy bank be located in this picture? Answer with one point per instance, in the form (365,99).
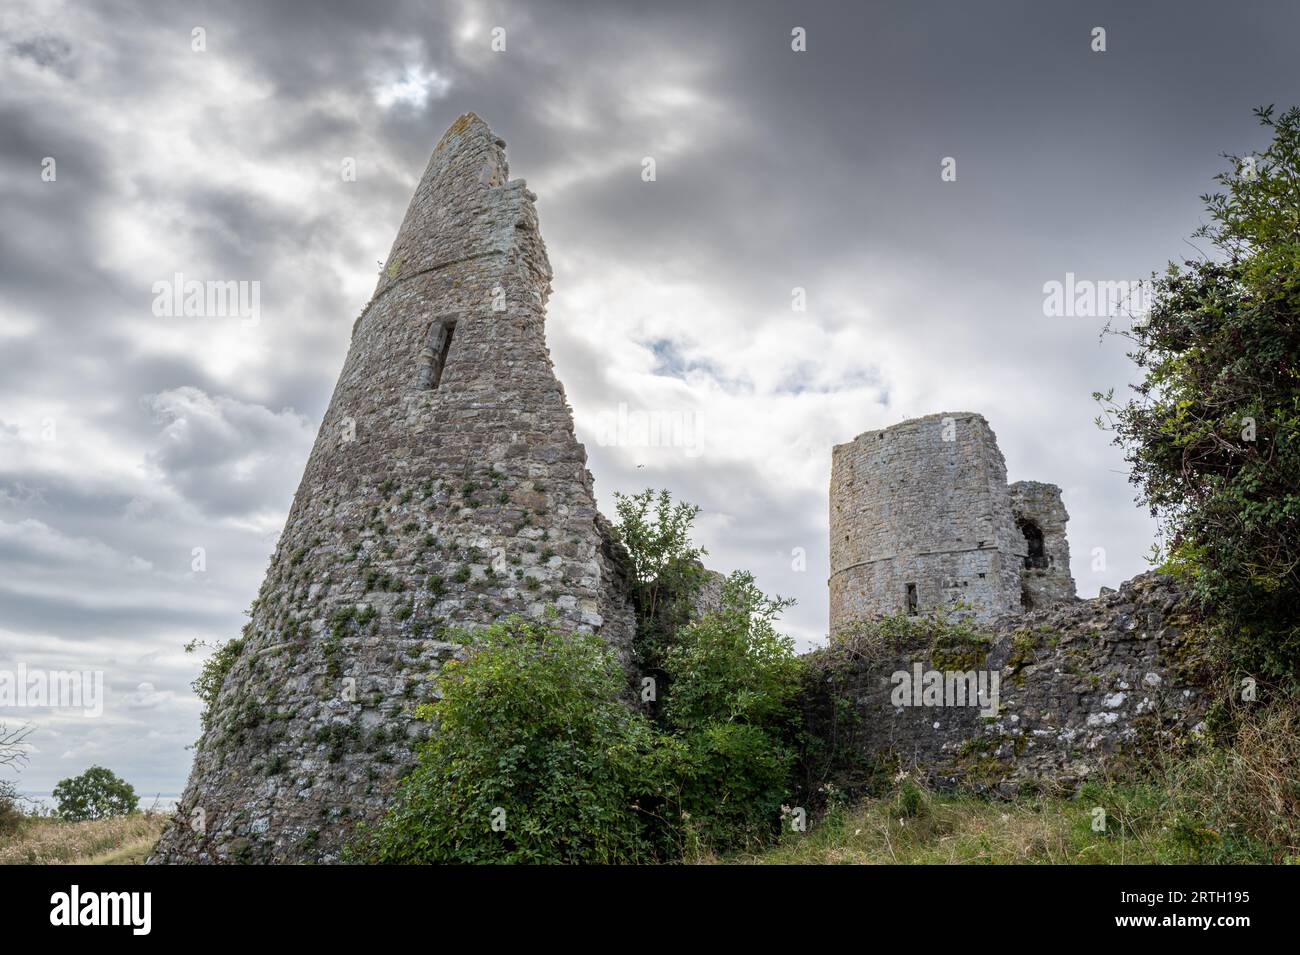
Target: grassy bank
(918,828)
(1105,824)
(124,840)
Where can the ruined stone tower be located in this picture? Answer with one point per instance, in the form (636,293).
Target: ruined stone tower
(921,518)
(446,489)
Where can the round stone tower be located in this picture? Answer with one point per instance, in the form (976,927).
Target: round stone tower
(920,518)
(446,489)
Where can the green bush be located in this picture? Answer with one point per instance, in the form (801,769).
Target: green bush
(665,564)
(732,684)
(98,793)
(535,759)
(537,756)
(207,685)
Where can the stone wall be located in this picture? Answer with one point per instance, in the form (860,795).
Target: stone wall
(1040,514)
(1078,686)
(920,517)
(445,490)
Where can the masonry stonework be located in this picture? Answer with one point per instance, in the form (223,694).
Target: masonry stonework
(1076,689)
(1040,518)
(922,519)
(446,489)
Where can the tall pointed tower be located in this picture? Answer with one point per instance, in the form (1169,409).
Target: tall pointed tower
(446,489)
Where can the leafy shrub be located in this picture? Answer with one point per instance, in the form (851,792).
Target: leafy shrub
(534,759)
(537,758)
(666,568)
(734,680)
(98,793)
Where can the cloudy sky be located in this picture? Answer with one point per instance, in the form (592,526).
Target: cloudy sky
(129,439)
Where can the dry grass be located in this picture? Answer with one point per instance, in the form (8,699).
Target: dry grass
(125,840)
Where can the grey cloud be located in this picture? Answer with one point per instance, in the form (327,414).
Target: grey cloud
(228,457)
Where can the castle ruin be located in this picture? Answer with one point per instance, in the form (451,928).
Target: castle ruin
(922,518)
(446,489)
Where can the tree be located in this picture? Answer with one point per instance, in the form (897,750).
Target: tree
(1213,430)
(12,750)
(666,567)
(12,753)
(733,680)
(98,793)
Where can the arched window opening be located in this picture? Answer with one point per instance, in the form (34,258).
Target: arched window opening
(1036,554)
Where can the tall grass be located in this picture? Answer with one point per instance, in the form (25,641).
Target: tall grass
(41,840)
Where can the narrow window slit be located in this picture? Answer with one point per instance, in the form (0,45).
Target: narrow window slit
(433,357)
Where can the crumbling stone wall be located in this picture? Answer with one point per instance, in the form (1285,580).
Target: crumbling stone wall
(1041,517)
(920,518)
(1079,686)
(446,489)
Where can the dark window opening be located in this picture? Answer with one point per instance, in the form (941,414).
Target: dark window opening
(433,357)
(911,600)
(1036,556)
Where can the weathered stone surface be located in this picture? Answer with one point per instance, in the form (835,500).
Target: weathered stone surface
(921,518)
(1079,684)
(1040,517)
(445,489)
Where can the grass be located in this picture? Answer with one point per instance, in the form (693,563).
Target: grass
(931,829)
(124,840)
(1207,812)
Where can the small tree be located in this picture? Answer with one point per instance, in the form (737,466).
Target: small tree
(13,752)
(98,793)
(666,567)
(733,681)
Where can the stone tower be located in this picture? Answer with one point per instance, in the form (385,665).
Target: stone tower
(446,489)
(921,518)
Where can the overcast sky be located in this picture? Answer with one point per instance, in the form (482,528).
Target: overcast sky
(128,439)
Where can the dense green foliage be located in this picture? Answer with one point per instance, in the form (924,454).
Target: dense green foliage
(537,755)
(733,681)
(98,793)
(666,568)
(1213,430)
(534,758)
